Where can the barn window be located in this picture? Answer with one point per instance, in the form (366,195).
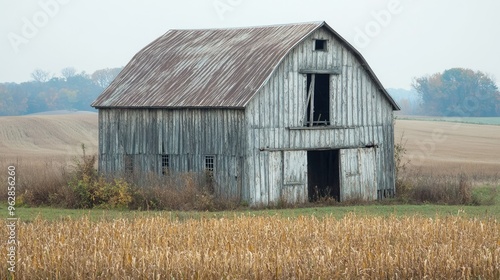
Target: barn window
(165,164)
(129,164)
(317,100)
(209,163)
(320,45)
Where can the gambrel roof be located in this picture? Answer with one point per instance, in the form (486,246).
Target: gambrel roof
(209,68)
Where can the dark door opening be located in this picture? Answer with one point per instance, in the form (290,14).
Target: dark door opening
(318,100)
(323,174)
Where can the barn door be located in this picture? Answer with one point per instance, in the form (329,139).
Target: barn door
(294,176)
(275,175)
(358,178)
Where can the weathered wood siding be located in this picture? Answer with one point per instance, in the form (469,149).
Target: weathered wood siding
(360,112)
(358,176)
(187,136)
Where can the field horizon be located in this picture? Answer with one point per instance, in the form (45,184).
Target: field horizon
(440,147)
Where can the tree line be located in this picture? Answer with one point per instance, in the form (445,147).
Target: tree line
(456,92)
(71,90)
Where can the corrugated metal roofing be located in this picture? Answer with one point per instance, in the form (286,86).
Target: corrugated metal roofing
(221,68)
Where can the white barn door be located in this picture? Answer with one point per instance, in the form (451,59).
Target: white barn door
(294,188)
(358,177)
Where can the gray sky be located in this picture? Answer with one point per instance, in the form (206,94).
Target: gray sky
(400,39)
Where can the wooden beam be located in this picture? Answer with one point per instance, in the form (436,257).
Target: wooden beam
(332,71)
(308,149)
(311,90)
(322,127)
(309,94)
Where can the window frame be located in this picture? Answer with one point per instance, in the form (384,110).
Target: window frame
(308,120)
(210,163)
(165,163)
(128,164)
(324,44)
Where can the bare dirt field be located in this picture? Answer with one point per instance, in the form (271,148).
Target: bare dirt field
(447,147)
(433,147)
(47,137)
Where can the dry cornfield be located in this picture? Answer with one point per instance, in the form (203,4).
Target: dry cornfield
(246,247)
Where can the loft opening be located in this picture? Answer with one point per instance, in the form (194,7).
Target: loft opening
(323,171)
(320,45)
(318,100)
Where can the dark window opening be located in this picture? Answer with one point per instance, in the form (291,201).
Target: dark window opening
(129,164)
(318,100)
(165,164)
(323,171)
(209,173)
(209,163)
(319,45)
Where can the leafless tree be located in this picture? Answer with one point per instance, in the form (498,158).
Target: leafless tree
(40,75)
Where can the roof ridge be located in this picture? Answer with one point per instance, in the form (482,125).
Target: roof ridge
(318,23)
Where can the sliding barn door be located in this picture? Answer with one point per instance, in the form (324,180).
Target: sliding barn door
(358,177)
(294,176)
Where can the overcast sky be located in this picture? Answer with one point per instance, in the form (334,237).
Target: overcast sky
(400,39)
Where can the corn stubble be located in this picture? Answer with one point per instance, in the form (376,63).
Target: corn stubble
(260,248)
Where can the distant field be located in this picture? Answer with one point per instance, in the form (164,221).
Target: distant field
(472,120)
(47,137)
(447,147)
(433,146)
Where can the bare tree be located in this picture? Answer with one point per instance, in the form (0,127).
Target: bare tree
(68,72)
(40,75)
(104,77)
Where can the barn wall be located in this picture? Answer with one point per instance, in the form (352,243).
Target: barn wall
(185,135)
(359,111)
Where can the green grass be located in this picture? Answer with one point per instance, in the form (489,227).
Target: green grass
(471,120)
(488,196)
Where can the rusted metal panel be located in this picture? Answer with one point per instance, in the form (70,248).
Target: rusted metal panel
(222,68)
(203,68)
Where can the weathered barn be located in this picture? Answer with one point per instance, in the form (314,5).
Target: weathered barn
(275,112)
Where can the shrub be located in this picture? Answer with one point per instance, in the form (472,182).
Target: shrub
(403,187)
(184,191)
(93,190)
(41,184)
(452,189)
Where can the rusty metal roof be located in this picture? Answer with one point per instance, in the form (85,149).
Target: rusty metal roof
(208,68)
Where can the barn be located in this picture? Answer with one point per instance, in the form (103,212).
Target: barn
(274,113)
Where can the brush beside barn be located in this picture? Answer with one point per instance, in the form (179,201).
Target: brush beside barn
(286,112)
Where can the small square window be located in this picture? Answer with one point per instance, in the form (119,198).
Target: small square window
(319,45)
(209,163)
